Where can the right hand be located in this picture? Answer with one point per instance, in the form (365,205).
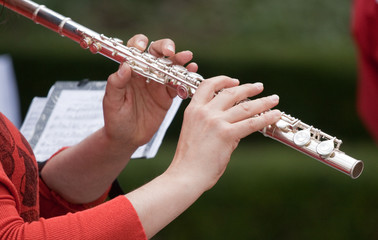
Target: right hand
(213,126)
(134,109)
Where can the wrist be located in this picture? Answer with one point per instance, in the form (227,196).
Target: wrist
(117,145)
(187,180)
(163,199)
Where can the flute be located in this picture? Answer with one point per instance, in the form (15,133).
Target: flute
(288,130)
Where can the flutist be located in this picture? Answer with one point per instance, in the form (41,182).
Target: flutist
(76,180)
(67,200)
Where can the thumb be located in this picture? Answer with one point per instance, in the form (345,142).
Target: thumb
(117,82)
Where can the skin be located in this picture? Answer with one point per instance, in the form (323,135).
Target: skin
(211,122)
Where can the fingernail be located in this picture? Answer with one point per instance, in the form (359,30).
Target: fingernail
(276,112)
(171,48)
(274,97)
(236,80)
(121,71)
(188,52)
(259,85)
(142,44)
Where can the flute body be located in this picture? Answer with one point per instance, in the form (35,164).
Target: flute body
(288,130)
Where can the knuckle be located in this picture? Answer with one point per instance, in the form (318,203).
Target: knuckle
(202,113)
(252,123)
(229,92)
(246,107)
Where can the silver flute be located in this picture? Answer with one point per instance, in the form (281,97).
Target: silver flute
(288,130)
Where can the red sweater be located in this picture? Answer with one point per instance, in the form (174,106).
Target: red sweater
(30,210)
(365,30)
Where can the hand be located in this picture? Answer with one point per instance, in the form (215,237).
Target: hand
(212,128)
(214,125)
(133,108)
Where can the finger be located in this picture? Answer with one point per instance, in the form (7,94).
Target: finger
(250,109)
(228,97)
(116,84)
(138,41)
(192,67)
(156,89)
(207,89)
(250,125)
(164,47)
(182,58)
(172,92)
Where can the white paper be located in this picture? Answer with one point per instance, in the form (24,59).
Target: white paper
(76,115)
(9,99)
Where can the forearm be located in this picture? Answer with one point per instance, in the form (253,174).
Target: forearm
(83,172)
(163,199)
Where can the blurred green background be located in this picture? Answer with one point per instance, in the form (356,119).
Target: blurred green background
(301,50)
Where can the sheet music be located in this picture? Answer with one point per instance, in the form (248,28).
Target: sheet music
(76,115)
(72,113)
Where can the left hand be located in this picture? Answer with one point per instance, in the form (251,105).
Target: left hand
(213,127)
(133,108)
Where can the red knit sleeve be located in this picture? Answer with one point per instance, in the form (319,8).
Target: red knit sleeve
(115,219)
